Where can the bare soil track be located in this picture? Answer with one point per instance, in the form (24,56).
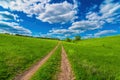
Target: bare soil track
(66,71)
(28,74)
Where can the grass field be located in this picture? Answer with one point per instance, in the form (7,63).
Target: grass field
(50,70)
(95,59)
(18,53)
(92,59)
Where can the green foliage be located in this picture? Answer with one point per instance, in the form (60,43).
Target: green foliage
(49,70)
(77,38)
(17,53)
(68,39)
(95,59)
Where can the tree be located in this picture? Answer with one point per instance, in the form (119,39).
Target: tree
(77,38)
(68,39)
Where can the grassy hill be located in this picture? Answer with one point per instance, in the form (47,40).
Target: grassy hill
(95,59)
(17,53)
(92,59)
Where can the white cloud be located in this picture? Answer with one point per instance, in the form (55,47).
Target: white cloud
(86,25)
(99,34)
(5,15)
(109,12)
(87,36)
(104,32)
(9,24)
(44,11)
(13,27)
(58,13)
(4,31)
(64,31)
(50,35)
(65,12)
(92,16)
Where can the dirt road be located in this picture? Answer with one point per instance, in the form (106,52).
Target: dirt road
(66,71)
(28,74)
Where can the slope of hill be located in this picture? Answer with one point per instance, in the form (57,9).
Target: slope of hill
(95,59)
(17,53)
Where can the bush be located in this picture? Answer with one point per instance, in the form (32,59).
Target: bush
(77,38)
(68,40)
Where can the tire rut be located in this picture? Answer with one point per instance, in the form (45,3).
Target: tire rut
(66,71)
(31,71)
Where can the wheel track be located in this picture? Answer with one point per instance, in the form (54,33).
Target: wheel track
(66,71)
(31,71)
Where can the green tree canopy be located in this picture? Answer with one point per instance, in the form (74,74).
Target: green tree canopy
(68,39)
(77,38)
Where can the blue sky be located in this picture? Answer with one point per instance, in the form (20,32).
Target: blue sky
(60,18)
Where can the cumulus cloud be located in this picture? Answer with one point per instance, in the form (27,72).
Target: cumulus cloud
(104,32)
(5,15)
(87,36)
(109,13)
(12,27)
(50,35)
(93,16)
(58,13)
(43,10)
(8,24)
(86,25)
(63,31)
(4,31)
(99,34)
(65,12)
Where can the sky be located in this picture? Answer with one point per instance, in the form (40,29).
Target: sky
(60,18)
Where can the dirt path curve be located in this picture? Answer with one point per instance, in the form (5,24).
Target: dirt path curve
(28,74)
(66,71)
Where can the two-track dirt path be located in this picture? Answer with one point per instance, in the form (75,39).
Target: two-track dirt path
(66,71)
(29,73)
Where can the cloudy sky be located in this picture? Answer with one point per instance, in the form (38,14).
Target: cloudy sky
(60,18)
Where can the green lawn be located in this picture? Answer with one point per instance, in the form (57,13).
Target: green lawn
(18,53)
(51,69)
(95,59)
(92,59)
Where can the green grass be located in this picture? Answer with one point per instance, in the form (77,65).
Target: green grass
(95,59)
(50,70)
(19,53)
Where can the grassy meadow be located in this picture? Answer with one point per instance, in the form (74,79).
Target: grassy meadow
(51,69)
(95,59)
(18,53)
(91,59)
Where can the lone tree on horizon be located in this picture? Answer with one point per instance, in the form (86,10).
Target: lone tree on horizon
(68,39)
(77,38)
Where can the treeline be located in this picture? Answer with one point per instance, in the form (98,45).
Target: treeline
(38,37)
(76,38)
(33,36)
(48,38)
